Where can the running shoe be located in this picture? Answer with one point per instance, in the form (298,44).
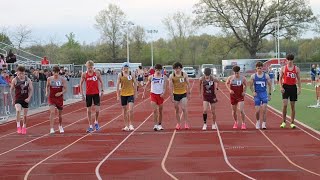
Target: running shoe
(89,130)
(214,127)
(24,130)
(51,131)
(131,128)
(243,126)
(283,125)
(258,125)
(235,125)
(160,127)
(125,128)
(61,129)
(19,130)
(155,127)
(264,125)
(204,127)
(178,126)
(96,125)
(292,126)
(186,126)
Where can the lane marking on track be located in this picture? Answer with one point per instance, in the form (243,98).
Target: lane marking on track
(281,152)
(49,120)
(97,170)
(33,167)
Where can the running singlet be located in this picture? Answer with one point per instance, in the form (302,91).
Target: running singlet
(56,86)
(260,83)
(127,88)
(92,85)
(179,84)
(157,84)
(236,85)
(208,87)
(271,74)
(21,89)
(289,77)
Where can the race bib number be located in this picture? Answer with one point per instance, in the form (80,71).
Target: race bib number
(238,83)
(291,75)
(58,83)
(94,78)
(181,80)
(210,83)
(129,77)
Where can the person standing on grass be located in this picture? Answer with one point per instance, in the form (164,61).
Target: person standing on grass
(258,85)
(92,79)
(237,86)
(55,88)
(180,89)
(158,89)
(271,74)
(22,87)
(289,79)
(127,94)
(208,84)
(313,73)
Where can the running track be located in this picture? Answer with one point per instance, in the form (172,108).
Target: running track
(144,154)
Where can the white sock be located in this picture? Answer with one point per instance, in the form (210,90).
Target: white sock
(96,122)
(18,124)
(90,126)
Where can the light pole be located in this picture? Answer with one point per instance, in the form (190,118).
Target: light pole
(151,32)
(129,23)
(278,29)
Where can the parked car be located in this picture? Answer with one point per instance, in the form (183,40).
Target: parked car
(190,71)
(168,69)
(227,70)
(275,67)
(211,66)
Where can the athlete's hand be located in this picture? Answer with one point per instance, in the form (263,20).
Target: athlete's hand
(135,95)
(27,100)
(143,95)
(282,90)
(118,98)
(188,95)
(269,98)
(161,95)
(171,97)
(231,92)
(83,98)
(243,94)
(254,94)
(58,94)
(46,94)
(299,91)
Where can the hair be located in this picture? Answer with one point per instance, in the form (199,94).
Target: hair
(207,71)
(290,57)
(259,64)
(177,65)
(140,67)
(56,69)
(158,66)
(90,63)
(21,68)
(236,68)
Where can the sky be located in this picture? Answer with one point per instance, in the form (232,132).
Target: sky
(52,20)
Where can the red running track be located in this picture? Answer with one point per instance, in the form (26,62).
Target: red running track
(144,154)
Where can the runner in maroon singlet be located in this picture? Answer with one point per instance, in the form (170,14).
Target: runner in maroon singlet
(208,84)
(23,91)
(56,87)
(237,86)
(92,79)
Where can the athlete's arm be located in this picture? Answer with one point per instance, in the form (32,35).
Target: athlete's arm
(30,92)
(244,82)
(135,85)
(170,84)
(200,83)
(269,84)
(164,84)
(228,83)
(280,78)
(118,85)
(217,82)
(13,83)
(299,80)
(147,84)
(64,83)
(48,85)
(83,78)
(188,83)
(251,83)
(100,80)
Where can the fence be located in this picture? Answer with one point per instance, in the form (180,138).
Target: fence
(39,99)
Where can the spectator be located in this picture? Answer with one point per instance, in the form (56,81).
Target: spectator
(2,61)
(2,78)
(151,71)
(45,61)
(313,74)
(42,75)
(11,58)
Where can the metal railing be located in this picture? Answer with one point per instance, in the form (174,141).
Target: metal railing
(39,99)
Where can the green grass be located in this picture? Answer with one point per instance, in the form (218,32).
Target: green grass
(309,116)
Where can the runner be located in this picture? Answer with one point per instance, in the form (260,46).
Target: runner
(272,78)
(208,84)
(180,88)
(289,78)
(158,90)
(92,78)
(22,87)
(57,86)
(127,93)
(258,86)
(140,74)
(237,86)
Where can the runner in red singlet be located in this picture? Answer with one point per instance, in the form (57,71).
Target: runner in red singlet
(56,87)
(23,91)
(289,78)
(237,86)
(93,94)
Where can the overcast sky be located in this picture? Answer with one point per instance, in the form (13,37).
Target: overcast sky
(55,18)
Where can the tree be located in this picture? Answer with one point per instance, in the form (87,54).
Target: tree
(22,35)
(252,20)
(179,27)
(138,41)
(4,36)
(110,23)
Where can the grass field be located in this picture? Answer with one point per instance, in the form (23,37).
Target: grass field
(309,116)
